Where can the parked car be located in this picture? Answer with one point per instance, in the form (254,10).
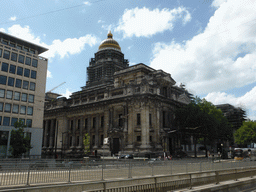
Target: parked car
(121,156)
(129,156)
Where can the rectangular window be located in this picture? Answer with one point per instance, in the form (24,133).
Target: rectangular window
(0,120)
(25,49)
(6,121)
(102,122)
(138,119)
(6,54)
(12,69)
(22,120)
(1,106)
(8,94)
(71,125)
(21,59)
(34,63)
(5,67)
(32,86)
(86,124)
(5,42)
(29,122)
(31,98)
(78,124)
(19,71)
(30,111)
(94,122)
(24,97)
(77,140)
(1,52)
(7,107)
(23,110)
(28,61)
(13,121)
(14,56)
(12,44)
(33,74)
(138,138)
(10,81)
(3,79)
(25,84)
(2,93)
(19,47)
(26,72)
(15,108)
(16,96)
(32,51)
(18,83)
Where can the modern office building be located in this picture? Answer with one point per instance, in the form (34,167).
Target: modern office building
(22,91)
(132,106)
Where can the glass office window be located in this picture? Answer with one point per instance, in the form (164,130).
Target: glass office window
(21,58)
(6,121)
(12,69)
(25,49)
(22,109)
(24,97)
(1,106)
(5,42)
(18,83)
(5,67)
(30,111)
(7,107)
(14,56)
(19,71)
(3,79)
(32,86)
(1,52)
(29,122)
(15,108)
(33,74)
(2,92)
(8,94)
(13,121)
(6,54)
(12,44)
(19,47)
(16,96)
(28,61)
(31,98)
(0,120)
(25,84)
(26,72)
(22,120)
(34,63)
(10,81)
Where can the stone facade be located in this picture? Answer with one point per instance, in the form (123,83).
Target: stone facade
(132,106)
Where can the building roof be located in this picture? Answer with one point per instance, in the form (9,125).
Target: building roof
(109,43)
(23,42)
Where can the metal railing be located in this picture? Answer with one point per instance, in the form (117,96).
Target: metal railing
(21,173)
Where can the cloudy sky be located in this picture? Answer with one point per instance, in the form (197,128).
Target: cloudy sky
(208,45)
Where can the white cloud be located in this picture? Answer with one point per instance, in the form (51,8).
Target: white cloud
(62,48)
(49,74)
(13,18)
(146,22)
(87,3)
(221,57)
(2,30)
(66,94)
(247,101)
(217,3)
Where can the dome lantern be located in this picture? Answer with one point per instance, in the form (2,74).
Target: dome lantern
(109,43)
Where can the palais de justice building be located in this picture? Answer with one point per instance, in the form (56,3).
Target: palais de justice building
(133,106)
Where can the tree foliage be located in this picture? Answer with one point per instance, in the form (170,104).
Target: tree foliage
(203,120)
(20,142)
(86,141)
(246,134)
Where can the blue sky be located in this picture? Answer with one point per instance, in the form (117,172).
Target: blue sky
(208,45)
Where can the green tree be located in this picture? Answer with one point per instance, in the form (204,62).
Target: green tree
(86,141)
(20,142)
(246,134)
(204,121)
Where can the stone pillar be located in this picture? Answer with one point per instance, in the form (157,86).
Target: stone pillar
(125,118)
(145,128)
(130,128)
(81,133)
(52,133)
(45,132)
(73,133)
(97,131)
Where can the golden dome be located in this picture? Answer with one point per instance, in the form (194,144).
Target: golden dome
(109,43)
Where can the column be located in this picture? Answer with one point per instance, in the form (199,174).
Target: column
(52,133)
(97,131)
(45,132)
(145,127)
(73,133)
(81,133)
